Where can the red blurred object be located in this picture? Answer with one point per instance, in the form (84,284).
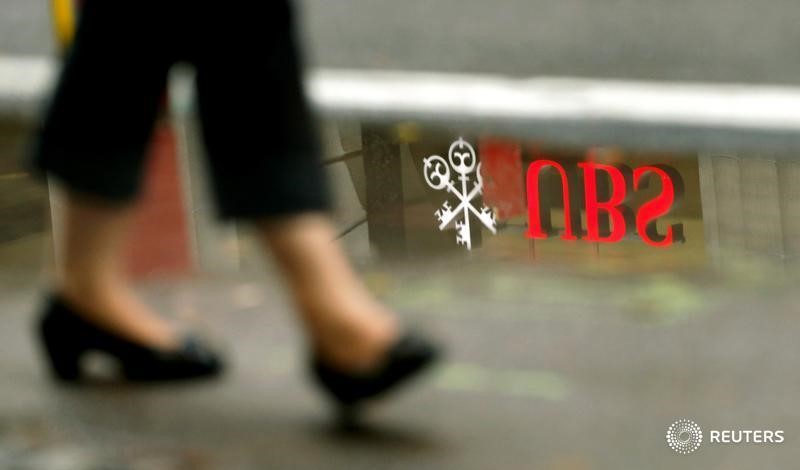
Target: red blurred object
(503,184)
(159,240)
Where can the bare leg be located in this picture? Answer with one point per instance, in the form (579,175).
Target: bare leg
(346,325)
(92,279)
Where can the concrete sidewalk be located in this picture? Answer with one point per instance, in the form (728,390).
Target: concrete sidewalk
(547,369)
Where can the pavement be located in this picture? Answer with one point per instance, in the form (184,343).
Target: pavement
(692,40)
(683,40)
(548,367)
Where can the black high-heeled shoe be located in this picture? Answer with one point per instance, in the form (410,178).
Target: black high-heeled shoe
(409,356)
(66,337)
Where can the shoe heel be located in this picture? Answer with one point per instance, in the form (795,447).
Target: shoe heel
(63,364)
(66,336)
(62,357)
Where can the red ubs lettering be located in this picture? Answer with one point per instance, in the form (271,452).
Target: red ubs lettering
(608,216)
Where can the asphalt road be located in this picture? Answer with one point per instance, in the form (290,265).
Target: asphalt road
(699,40)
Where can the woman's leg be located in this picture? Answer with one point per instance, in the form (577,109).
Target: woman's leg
(345,324)
(93,141)
(265,160)
(91,275)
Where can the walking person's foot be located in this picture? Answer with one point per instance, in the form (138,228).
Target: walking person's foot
(68,333)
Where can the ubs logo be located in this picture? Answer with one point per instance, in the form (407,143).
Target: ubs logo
(461,157)
(611,207)
(595,197)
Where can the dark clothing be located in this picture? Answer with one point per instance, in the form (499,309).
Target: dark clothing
(258,132)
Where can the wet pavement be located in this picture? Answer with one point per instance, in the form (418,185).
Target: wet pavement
(548,367)
(706,40)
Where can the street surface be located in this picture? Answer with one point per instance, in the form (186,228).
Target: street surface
(547,368)
(705,40)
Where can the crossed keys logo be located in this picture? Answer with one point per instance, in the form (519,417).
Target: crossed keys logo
(436,169)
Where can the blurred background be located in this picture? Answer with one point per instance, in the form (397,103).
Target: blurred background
(563,355)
